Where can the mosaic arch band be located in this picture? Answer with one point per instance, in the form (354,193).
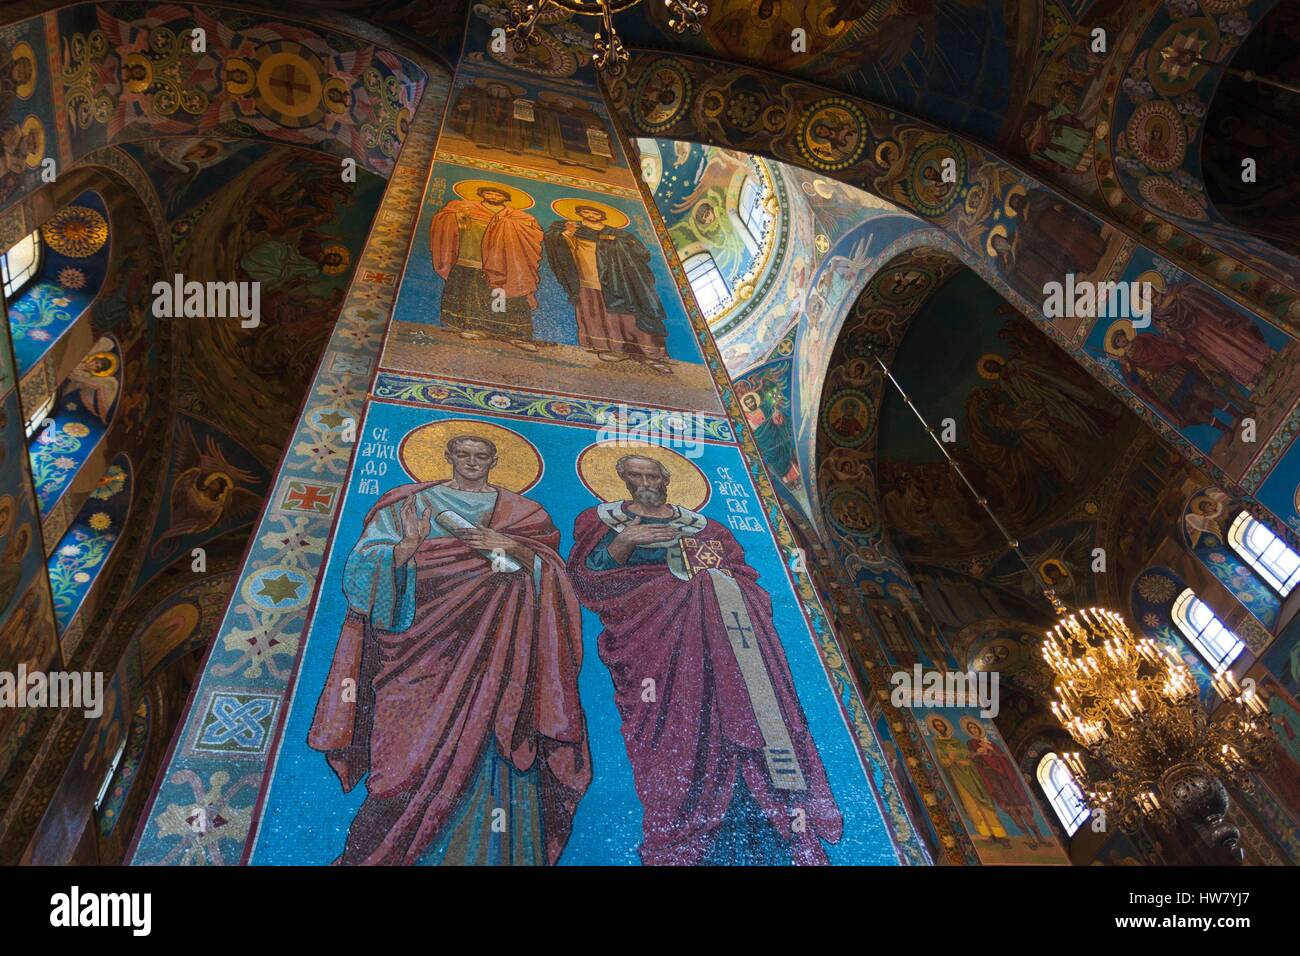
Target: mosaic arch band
(723,762)
(461,647)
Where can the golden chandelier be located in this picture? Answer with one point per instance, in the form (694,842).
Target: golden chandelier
(608,50)
(1134,706)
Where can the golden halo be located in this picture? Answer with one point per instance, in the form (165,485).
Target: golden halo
(468,189)
(887,152)
(1118,325)
(30,125)
(112,363)
(241,87)
(334,84)
(568,209)
(983,363)
(145,64)
(1017,190)
(939,725)
(1155,278)
(23,51)
(217,476)
(336,268)
(687,487)
(972,727)
(422,453)
(998,230)
(1056,565)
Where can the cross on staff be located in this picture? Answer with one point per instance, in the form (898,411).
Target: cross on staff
(741,628)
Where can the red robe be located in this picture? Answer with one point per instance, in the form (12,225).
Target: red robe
(689,746)
(489,661)
(512,246)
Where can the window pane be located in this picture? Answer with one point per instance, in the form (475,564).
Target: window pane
(1264,551)
(752,213)
(1214,642)
(18,266)
(1063,792)
(706,282)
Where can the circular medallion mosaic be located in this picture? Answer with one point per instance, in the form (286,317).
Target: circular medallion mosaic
(661,96)
(904,283)
(75,232)
(851,510)
(833,134)
(289,84)
(935,177)
(1157,135)
(1173,61)
(279,588)
(1168,196)
(547,57)
(848,418)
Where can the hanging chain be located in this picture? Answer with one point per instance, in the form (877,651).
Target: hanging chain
(983,502)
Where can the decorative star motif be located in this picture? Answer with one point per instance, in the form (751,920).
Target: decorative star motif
(283,588)
(333,419)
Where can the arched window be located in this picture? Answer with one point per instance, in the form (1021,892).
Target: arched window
(751,210)
(706,281)
(1063,792)
(1218,645)
(110,773)
(1265,552)
(19,266)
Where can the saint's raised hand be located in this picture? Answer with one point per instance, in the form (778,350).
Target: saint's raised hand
(415,527)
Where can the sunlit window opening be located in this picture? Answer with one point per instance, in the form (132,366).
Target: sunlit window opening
(109,774)
(18,266)
(38,417)
(752,213)
(1063,792)
(1218,645)
(1265,552)
(706,281)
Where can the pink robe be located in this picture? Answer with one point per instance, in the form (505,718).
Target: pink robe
(690,745)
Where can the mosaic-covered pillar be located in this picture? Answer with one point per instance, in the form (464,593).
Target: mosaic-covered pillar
(544,608)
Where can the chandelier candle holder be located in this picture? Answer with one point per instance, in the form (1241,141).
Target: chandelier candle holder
(608,52)
(1133,705)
